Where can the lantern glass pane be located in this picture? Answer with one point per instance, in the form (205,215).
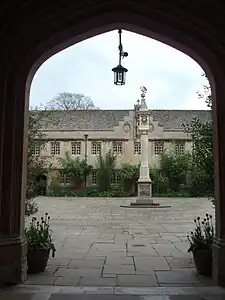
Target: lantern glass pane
(120,77)
(124,77)
(115,77)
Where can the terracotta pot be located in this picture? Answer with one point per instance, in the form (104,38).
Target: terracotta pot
(203,262)
(37,260)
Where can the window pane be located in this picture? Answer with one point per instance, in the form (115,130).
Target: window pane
(158,147)
(55,148)
(117,147)
(137,148)
(96,148)
(179,148)
(76,148)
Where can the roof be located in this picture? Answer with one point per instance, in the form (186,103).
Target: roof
(173,119)
(107,119)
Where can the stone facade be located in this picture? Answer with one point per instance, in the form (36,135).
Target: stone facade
(87,133)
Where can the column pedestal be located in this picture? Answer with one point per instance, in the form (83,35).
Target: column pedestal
(144,192)
(13,261)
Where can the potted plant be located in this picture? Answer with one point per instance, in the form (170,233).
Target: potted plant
(201,240)
(40,243)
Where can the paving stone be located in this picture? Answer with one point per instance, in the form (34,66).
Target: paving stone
(94,297)
(41,297)
(118,269)
(16,296)
(147,265)
(142,252)
(72,281)
(105,275)
(182,246)
(186,297)
(69,272)
(59,262)
(214,297)
(169,250)
(49,271)
(163,241)
(40,279)
(180,263)
(170,237)
(94,281)
(177,276)
(87,263)
(118,260)
(137,280)
(162,297)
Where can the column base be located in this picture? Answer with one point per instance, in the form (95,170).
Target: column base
(219,262)
(144,192)
(13,261)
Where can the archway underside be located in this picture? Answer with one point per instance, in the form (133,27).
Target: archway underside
(44,30)
(30,33)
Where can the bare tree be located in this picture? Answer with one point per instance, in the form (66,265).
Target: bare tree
(70,101)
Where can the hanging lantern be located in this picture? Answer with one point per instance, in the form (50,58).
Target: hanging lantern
(120,71)
(119,75)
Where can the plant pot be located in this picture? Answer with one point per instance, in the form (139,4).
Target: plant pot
(37,260)
(203,262)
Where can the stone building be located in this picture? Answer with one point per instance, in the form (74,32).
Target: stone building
(88,133)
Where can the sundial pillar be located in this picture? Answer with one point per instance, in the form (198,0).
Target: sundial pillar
(144,181)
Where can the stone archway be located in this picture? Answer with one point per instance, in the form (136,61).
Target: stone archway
(31,33)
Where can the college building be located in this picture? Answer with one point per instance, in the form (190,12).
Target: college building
(88,133)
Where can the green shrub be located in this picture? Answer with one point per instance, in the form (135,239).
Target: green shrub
(160,182)
(116,191)
(88,192)
(106,166)
(31,207)
(113,191)
(77,169)
(129,176)
(55,184)
(175,167)
(62,193)
(172,194)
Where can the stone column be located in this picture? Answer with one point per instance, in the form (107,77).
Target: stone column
(144,167)
(12,180)
(144,181)
(219,169)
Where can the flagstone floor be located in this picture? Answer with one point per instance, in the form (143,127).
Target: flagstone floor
(101,244)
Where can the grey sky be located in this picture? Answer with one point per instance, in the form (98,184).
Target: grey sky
(171,77)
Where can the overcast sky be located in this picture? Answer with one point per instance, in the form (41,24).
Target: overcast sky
(171,77)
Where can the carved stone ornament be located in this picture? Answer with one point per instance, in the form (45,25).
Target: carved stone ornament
(144,120)
(151,127)
(126,127)
(144,190)
(138,133)
(143,132)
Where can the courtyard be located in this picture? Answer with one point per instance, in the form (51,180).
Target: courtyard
(102,244)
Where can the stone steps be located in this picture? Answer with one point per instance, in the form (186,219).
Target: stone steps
(43,292)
